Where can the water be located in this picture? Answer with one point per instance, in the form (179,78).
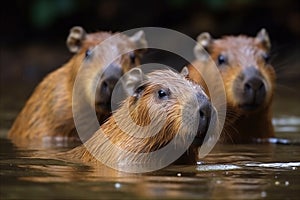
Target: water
(246,171)
(257,171)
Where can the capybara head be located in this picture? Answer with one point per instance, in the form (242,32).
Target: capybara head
(244,64)
(101,69)
(164,101)
(162,112)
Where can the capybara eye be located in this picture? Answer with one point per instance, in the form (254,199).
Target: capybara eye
(138,91)
(132,57)
(222,59)
(162,94)
(266,57)
(88,53)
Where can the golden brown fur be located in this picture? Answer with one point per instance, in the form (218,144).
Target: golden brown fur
(141,106)
(240,52)
(47,115)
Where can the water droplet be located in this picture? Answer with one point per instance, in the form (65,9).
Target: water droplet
(286,183)
(263,194)
(117,185)
(277,183)
(178,174)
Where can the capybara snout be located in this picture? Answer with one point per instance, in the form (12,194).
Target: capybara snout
(205,112)
(106,85)
(252,93)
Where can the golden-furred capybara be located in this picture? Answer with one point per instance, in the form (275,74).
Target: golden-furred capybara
(47,115)
(162,107)
(249,82)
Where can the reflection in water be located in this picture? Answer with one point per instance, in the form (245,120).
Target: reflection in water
(291,165)
(287,124)
(230,172)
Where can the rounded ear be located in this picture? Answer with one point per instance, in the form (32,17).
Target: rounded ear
(263,38)
(75,38)
(139,40)
(204,41)
(132,79)
(185,72)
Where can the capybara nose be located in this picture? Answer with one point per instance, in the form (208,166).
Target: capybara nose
(254,90)
(107,85)
(204,118)
(109,79)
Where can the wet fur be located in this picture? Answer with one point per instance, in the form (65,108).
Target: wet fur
(47,115)
(242,51)
(139,111)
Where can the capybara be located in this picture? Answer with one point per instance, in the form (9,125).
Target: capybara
(163,104)
(47,115)
(249,82)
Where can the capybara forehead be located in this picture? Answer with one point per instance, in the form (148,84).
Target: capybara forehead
(173,81)
(120,40)
(236,45)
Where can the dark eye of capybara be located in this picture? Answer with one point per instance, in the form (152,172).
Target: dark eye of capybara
(222,59)
(88,53)
(138,91)
(266,57)
(132,57)
(162,94)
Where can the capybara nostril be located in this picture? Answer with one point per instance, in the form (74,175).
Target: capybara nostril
(204,118)
(108,85)
(104,86)
(247,87)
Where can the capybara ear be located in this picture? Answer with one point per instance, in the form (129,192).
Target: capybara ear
(263,38)
(139,40)
(204,41)
(132,80)
(185,72)
(75,38)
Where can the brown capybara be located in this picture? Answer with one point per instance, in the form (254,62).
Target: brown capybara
(47,115)
(249,82)
(163,105)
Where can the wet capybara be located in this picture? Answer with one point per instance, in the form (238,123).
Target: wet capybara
(162,104)
(249,81)
(47,115)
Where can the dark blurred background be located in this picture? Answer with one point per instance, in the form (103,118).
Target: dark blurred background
(33,34)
